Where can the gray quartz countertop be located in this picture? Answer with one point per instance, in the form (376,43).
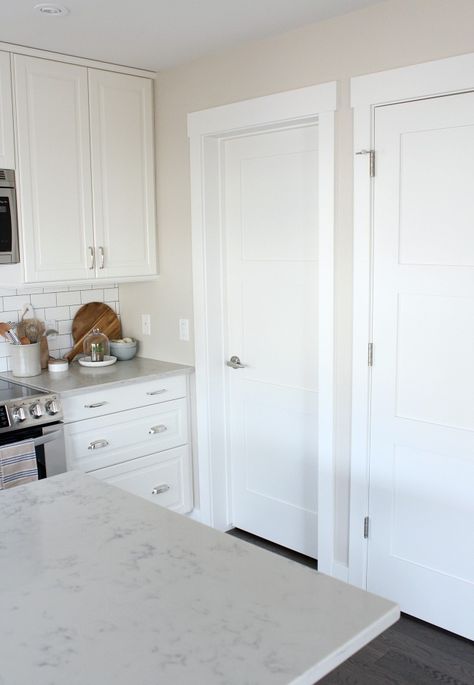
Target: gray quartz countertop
(79,378)
(99,586)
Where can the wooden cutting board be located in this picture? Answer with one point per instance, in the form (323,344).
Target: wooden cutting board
(93,315)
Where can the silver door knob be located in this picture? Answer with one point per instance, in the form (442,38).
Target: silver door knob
(235,363)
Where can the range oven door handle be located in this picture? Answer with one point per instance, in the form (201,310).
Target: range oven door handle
(48,437)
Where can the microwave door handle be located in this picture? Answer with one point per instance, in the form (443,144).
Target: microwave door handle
(49,437)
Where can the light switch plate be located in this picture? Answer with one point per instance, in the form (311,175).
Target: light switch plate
(184,329)
(146,324)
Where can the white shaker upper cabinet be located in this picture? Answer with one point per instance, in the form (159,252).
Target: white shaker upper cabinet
(54,170)
(7,150)
(123,179)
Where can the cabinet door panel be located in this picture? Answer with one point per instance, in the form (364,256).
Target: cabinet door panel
(54,169)
(163,478)
(101,442)
(7,150)
(121,114)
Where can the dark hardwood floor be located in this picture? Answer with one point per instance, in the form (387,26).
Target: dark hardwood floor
(409,653)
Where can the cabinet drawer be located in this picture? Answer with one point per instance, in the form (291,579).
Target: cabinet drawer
(108,440)
(121,398)
(163,478)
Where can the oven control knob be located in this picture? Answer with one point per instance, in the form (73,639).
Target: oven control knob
(19,414)
(52,407)
(36,410)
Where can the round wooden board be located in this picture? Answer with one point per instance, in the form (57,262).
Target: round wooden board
(93,315)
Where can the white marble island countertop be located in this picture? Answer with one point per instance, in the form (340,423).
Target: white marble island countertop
(103,588)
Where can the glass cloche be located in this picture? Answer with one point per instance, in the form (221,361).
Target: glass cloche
(96,345)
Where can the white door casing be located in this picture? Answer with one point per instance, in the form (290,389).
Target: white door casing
(208,131)
(271,235)
(412,414)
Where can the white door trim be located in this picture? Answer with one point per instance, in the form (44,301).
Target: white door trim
(431,79)
(206,130)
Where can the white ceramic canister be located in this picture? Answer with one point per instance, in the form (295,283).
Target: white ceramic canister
(25,360)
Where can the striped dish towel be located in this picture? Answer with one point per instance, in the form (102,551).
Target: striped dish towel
(18,464)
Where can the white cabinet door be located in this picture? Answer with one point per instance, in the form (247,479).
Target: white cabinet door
(421,539)
(271,214)
(121,115)
(54,169)
(7,146)
(163,478)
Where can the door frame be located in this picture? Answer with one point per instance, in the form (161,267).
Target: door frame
(207,129)
(430,79)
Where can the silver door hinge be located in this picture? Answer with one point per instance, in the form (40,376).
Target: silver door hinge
(366,527)
(371,154)
(370,354)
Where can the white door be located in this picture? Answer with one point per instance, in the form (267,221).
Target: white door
(122,149)
(271,209)
(54,169)
(421,540)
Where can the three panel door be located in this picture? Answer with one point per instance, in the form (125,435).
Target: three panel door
(271,227)
(421,542)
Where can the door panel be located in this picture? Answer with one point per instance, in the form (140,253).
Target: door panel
(422,411)
(271,232)
(54,169)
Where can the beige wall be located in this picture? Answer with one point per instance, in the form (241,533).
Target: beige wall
(390,34)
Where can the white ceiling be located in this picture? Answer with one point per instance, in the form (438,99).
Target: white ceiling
(157,34)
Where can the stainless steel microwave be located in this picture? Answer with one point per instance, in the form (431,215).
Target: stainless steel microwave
(9,252)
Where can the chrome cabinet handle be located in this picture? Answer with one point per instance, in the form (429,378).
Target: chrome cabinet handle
(157,429)
(157,392)
(91,257)
(159,489)
(235,363)
(102,257)
(97,444)
(94,406)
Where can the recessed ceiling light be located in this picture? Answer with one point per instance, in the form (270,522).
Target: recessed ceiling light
(51,10)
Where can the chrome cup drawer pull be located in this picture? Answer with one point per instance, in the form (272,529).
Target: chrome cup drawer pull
(157,392)
(97,444)
(160,489)
(94,406)
(157,429)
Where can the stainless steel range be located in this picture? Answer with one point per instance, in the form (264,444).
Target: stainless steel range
(29,414)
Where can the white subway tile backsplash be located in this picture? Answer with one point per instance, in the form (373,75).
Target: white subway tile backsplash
(111,295)
(57,313)
(56,306)
(15,301)
(73,310)
(11,316)
(56,342)
(92,296)
(64,327)
(71,297)
(44,300)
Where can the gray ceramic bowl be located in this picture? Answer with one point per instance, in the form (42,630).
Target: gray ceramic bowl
(123,351)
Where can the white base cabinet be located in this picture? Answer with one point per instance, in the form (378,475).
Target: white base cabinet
(161,478)
(137,439)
